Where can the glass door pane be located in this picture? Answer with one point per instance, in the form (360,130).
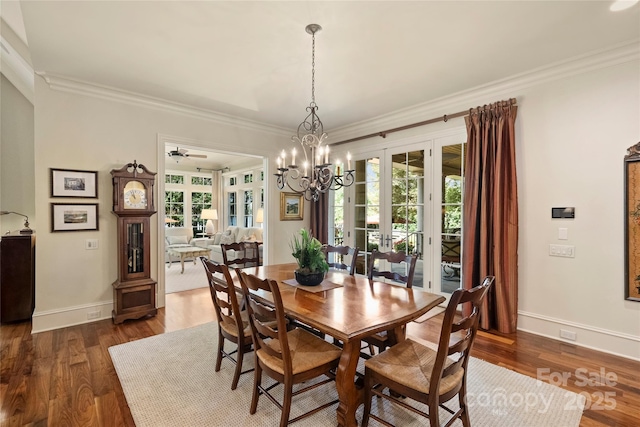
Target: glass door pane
(407,210)
(366,209)
(452,159)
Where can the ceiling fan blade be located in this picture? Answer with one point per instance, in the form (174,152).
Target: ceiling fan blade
(181,150)
(201,156)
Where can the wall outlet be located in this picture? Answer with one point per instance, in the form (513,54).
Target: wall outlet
(568,335)
(93,315)
(91,244)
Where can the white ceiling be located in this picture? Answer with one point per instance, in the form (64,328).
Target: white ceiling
(253,59)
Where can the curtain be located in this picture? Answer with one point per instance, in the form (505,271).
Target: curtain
(491,212)
(216,197)
(319,222)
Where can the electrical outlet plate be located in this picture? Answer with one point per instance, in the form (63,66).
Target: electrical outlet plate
(568,335)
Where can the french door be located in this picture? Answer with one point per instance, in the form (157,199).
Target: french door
(409,198)
(390,192)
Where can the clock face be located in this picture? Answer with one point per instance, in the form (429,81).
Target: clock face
(135,195)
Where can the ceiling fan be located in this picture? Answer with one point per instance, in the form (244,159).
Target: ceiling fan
(180,153)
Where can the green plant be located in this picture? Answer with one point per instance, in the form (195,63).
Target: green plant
(402,246)
(307,250)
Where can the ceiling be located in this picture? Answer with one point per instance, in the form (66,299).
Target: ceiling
(253,59)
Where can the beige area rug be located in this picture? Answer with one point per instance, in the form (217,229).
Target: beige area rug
(169,380)
(193,277)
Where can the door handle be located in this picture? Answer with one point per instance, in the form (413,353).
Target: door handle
(387,240)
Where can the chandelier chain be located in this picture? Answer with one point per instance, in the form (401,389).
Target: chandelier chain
(313,68)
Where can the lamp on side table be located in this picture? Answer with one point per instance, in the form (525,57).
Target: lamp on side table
(209,215)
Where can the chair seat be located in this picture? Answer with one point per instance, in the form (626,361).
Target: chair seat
(411,364)
(307,352)
(232,329)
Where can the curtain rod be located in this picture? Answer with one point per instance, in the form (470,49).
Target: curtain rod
(444,118)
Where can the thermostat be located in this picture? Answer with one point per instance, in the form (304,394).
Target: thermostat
(563,212)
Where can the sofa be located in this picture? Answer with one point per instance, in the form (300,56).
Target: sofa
(232,234)
(177,237)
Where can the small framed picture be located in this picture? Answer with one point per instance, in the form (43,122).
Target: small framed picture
(291,206)
(74,217)
(74,183)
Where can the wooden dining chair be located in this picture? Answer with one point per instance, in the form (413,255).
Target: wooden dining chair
(413,370)
(406,262)
(381,340)
(233,324)
(247,254)
(339,252)
(288,356)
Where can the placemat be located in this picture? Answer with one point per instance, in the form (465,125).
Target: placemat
(324,286)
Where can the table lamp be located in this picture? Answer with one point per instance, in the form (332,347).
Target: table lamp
(209,215)
(260,216)
(26,229)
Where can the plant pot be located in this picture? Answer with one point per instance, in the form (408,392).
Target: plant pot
(309,279)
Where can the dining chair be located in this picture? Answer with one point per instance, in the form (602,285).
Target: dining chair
(381,340)
(287,356)
(433,377)
(233,324)
(247,254)
(339,253)
(406,262)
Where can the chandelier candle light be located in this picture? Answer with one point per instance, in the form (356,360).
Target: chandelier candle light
(318,175)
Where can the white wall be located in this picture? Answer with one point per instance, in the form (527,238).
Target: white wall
(573,128)
(16,157)
(75,131)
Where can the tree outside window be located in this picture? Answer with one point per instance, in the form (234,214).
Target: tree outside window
(199,201)
(174,207)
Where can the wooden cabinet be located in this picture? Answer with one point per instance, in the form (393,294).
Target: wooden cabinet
(17,277)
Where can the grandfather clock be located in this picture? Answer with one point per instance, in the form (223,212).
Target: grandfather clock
(134,293)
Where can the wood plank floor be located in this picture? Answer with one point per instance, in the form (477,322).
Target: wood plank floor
(65,377)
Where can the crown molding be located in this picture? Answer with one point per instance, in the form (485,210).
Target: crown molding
(491,92)
(16,69)
(70,85)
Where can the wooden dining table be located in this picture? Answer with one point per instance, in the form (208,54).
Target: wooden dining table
(353,308)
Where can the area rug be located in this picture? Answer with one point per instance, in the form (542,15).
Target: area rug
(169,380)
(193,277)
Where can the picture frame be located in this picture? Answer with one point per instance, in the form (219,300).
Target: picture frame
(74,183)
(291,207)
(74,217)
(632,223)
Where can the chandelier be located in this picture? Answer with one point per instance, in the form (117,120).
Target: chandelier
(317,174)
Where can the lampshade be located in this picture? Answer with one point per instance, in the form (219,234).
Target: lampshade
(209,214)
(260,215)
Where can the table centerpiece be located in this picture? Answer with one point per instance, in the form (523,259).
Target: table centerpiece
(312,265)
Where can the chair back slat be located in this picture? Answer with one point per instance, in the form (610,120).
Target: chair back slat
(394,258)
(339,253)
(456,338)
(247,254)
(261,318)
(223,293)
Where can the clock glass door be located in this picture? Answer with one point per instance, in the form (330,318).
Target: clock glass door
(135,248)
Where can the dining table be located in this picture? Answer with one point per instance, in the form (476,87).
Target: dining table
(348,308)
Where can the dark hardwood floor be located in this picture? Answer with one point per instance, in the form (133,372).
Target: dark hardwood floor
(65,377)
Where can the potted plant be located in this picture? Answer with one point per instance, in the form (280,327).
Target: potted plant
(312,265)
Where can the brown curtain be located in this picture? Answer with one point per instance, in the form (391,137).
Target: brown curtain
(320,218)
(491,212)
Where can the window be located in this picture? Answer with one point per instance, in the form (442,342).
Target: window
(261,175)
(173,179)
(248,178)
(199,201)
(200,180)
(231,202)
(248,208)
(232,180)
(336,224)
(174,207)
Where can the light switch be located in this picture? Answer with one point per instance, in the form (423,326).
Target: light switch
(563,233)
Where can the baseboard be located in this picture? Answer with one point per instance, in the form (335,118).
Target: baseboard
(70,316)
(606,341)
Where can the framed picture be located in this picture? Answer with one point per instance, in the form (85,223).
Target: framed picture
(291,206)
(74,217)
(632,223)
(74,183)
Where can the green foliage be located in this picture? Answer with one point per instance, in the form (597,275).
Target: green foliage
(307,251)
(402,246)
(372,246)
